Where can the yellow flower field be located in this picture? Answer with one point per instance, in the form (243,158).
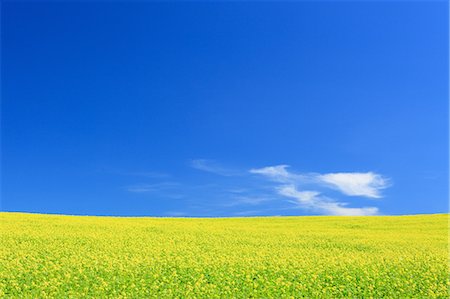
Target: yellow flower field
(45,256)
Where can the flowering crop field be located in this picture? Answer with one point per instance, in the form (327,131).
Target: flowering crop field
(328,257)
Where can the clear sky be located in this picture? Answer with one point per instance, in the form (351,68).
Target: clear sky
(225,108)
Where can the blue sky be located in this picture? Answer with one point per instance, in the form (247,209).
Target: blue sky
(225,108)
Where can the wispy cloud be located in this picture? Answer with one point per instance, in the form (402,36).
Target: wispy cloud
(280,173)
(265,190)
(351,184)
(277,173)
(315,202)
(249,213)
(139,188)
(212,167)
(251,200)
(301,196)
(147,174)
(366,184)
(166,189)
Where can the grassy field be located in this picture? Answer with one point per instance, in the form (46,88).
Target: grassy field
(70,256)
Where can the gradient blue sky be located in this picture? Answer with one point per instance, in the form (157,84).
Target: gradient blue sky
(195,109)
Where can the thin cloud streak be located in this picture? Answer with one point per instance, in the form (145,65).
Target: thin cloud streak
(148,174)
(277,173)
(247,200)
(212,167)
(152,188)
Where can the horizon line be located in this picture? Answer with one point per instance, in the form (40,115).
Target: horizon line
(218,217)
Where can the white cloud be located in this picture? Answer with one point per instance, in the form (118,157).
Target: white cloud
(339,210)
(277,173)
(351,184)
(314,201)
(301,196)
(366,184)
